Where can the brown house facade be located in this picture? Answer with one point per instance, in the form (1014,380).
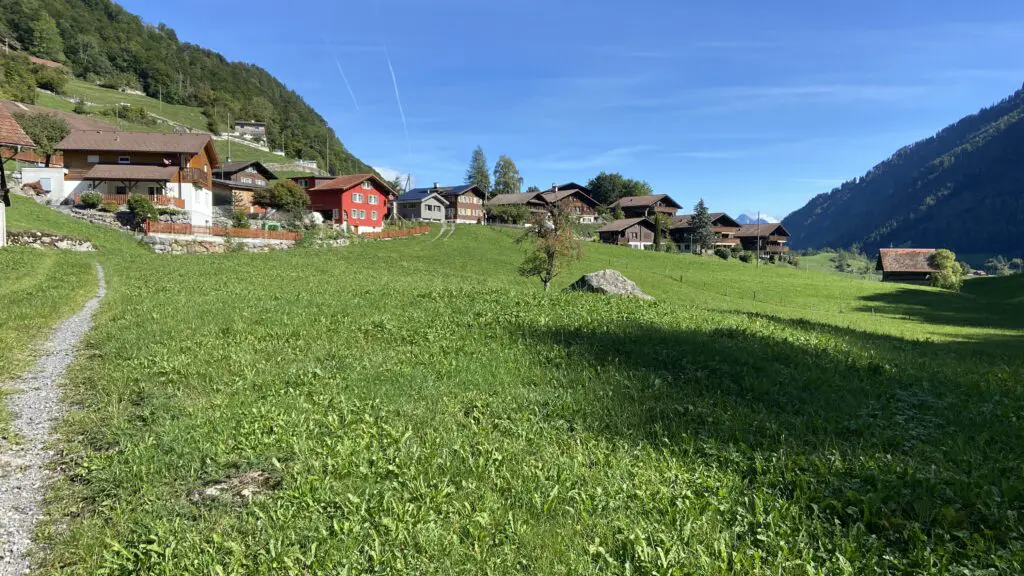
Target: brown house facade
(765,239)
(633,232)
(723,226)
(235,183)
(906,265)
(573,200)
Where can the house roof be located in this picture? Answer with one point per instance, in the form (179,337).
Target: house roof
(717,219)
(553,196)
(905,260)
(11,133)
(420,195)
(755,230)
(620,225)
(131,173)
(236,167)
(452,190)
(523,198)
(342,183)
(643,201)
(575,186)
(153,142)
(75,121)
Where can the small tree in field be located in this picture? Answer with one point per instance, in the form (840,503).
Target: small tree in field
(949,274)
(703,227)
(46,130)
(284,195)
(553,243)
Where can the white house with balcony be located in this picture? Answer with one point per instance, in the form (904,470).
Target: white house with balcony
(174,170)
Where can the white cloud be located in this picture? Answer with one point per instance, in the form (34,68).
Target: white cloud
(390,174)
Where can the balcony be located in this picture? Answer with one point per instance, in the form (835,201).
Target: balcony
(196,176)
(122,199)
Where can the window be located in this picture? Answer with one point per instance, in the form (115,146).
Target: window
(121,190)
(335,214)
(362,213)
(373,199)
(373,215)
(93,158)
(357,198)
(366,185)
(154,190)
(632,236)
(124,159)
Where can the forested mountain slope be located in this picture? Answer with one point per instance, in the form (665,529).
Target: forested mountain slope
(962,188)
(102,42)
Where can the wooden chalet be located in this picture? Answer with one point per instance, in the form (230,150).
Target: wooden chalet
(906,265)
(574,198)
(235,183)
(532,201)
(632,232)
(646,206)
(723,226)
(765,239)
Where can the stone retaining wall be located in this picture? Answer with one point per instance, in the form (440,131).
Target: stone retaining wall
(47,240)
(166,244)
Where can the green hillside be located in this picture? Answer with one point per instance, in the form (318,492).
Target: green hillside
(960,189)
(102,42)
(754,420)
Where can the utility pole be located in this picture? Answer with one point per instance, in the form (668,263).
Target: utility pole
(758,237)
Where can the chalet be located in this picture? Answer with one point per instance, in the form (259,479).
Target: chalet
(173,169)
(465,202)
(532,201)
(75,122)
(251,129)
(235,183)
(424,205)
(646,206)
(359,201)
(574,198)
(632,232)
(765,239)
(906,265)
(12,140)
(723,226)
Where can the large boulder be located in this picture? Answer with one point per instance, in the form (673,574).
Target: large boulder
(608,282)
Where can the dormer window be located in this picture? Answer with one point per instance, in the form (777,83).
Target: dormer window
(124,159)
(367,185)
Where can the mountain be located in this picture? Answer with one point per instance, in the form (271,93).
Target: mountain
(752,218)
(962,189)
(103,43)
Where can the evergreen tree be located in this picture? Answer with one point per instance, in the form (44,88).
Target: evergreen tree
(46,41)
(703,231)
(478,173)
(46,130)
(533,189)
(506,176)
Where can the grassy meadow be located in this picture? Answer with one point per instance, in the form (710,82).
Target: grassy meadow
(413,406)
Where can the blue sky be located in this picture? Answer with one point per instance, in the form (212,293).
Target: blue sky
(750,105)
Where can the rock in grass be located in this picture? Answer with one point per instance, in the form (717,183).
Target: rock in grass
(608,282)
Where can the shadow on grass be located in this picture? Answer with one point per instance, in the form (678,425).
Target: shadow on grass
(979,306)
(918,443)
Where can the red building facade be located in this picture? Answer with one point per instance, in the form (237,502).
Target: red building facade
(360,201)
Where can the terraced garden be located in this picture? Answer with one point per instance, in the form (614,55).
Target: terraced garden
(413,406)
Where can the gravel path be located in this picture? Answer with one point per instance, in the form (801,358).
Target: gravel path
(36,405)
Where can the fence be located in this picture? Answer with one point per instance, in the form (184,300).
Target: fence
(122,199)
(192,230)
(396,233)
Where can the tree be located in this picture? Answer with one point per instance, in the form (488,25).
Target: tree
(997,266)
(607,188)
(46,130)
(703,231)
(1019,263)
(478,173)
(45,41)
(284,195)
(506,176)
(949,274)
(553,242)
(533,189)
(661,224)
(509,213)
(398,184)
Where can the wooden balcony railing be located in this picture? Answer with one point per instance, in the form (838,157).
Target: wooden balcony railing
(122,199)
(151,227)
(196,176)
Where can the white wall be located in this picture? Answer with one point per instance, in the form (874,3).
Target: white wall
(58,190)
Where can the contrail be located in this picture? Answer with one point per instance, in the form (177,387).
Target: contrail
(340,69)
(398,98)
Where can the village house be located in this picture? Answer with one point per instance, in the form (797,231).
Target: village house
(171,169)
(906,265)
(532,201)
(646,206)
(358,201)
(723,226)
(424,205)
(235,183)
(573,198)
(765,239)
(250,129)
(12,140)
(632,232)
(465,202)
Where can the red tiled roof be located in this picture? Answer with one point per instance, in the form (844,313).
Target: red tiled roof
(905,260)
(342,183)
(11,133)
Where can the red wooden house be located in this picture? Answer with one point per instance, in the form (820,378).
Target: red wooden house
(360,201)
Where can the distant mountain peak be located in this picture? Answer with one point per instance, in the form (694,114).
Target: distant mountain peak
(752,218)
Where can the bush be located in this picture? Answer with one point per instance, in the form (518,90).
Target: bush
(284,195)
(109,207)
(80,107)
(91,199)
(723,253)
(142,208)
(949,273)
(746,257)
(947,280)
(239,219)
(52,79)
(170,211)
(135,114)
(509,214)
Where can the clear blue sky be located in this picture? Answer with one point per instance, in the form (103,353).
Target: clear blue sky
(750,105)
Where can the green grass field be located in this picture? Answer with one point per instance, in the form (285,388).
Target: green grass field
(242,152)
(416,407)
(188,115)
